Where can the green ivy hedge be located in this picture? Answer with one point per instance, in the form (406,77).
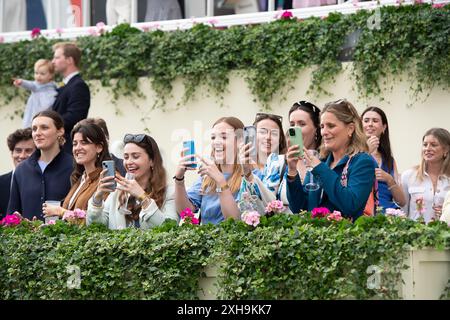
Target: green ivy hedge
(285,257)
(412,39)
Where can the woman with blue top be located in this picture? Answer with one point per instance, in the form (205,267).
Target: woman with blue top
(45,175)
(272,182)
(376,128)
(346,173)
(216,190)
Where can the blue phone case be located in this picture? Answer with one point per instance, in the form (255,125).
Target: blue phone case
(110,166)
(191,146)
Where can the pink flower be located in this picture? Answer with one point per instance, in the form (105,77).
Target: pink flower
(80,214)
(51,222)
(69,215)
(145,28)
(10,220)
(100,27)
(418,1)
(2,39)
(251,218)
(275,206)
(438,5)
(320,212)
(213,21)
(187,216)
(36,32)
(59,30)
(335,215)
(286,15)
(355,2)
(395,213)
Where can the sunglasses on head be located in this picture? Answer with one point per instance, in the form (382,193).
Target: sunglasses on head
(138,138)
(260,116)
(309,105)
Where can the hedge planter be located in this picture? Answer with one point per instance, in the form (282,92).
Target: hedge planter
(425,278)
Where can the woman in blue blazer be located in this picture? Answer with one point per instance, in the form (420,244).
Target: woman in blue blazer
(346,172)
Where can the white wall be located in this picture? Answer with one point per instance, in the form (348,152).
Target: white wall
(407,124)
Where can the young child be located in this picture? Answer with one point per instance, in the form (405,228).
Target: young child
(43,90)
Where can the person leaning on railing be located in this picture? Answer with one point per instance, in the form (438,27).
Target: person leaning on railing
(145,201)
(344,148)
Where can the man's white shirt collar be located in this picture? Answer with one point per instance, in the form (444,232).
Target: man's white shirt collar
(70,76)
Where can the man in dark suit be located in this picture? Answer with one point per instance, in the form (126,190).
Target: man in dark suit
(74,98)
(21,145)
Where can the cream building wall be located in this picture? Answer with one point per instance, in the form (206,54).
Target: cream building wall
(193,120)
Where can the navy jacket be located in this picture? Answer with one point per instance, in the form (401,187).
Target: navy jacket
(5,187)
(350,200)
(31,188)
(72,103)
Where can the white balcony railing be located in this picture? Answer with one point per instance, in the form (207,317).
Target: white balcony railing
(218,21)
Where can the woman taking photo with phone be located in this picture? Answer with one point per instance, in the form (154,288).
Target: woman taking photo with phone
(143,202)
(271,184)
(216,190)
(90,149)
(376,128)
(347,171)
(45,175)
(427,184)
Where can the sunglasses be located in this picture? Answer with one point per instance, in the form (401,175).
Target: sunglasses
(309,105)
(260,116)
(138,138)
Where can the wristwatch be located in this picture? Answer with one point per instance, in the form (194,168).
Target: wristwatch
(222,188)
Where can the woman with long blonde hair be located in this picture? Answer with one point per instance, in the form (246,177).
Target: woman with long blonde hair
(216,190)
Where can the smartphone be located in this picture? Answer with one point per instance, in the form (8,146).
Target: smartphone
(110,166)
(250,137)
(190,145)
(296,138)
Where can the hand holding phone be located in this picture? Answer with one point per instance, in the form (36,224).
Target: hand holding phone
(190,145)
(296,138)
(250,137)
(111,172)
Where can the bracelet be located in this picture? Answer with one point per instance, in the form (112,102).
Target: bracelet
(178,179)
(142,197)
(292,177)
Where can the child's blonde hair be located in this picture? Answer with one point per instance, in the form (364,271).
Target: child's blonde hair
(45,63)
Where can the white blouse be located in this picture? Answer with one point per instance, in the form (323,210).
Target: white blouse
(415,189)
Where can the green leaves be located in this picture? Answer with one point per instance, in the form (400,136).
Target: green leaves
(270,56)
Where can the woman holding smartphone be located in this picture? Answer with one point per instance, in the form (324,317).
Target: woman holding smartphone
(216,190)
(376,128)
(271,183)
(90,149)
(347,171)
(143,202)
(45,175)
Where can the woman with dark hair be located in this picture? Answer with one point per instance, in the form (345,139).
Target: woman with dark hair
(376,128)
(427,184)
(89,148)
(345,170)
(143,202)
(45,175)
(216,190)
(271,184)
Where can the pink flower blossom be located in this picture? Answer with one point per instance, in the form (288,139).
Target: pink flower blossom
(418,1)
(251,218)
(286,15)
(59,30)
(80,214)
(36,32)
(10,220)
(92,32)
(438,5)
(145,28)
(320,212)
(51,222)
(395,213)
(355,3)
(2,39)
(335,215)
(213,21)
(275,206)
(187,216)
(100,27)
